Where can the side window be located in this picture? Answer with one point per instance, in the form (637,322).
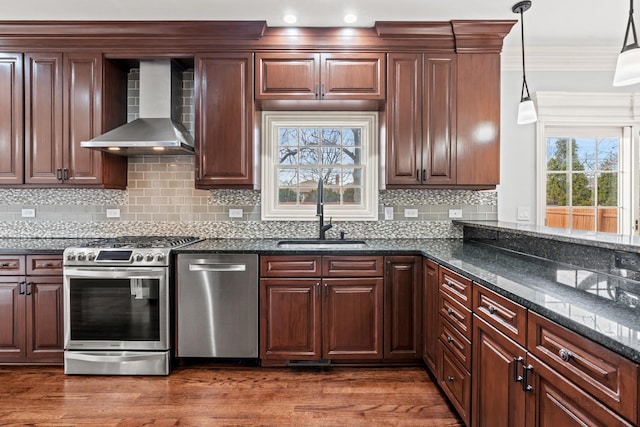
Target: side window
(583,179)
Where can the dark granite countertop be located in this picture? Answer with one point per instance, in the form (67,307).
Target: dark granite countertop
(599,306)
(592,304)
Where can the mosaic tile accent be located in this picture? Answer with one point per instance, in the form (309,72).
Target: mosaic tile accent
(62,196)
(438,197)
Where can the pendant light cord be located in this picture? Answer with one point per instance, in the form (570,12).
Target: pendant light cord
(525,87)
(631,25)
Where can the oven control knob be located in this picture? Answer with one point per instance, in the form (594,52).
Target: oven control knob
(149,257)
(159,257)
(71,256)
(91,256)
(139,257)
(81,256)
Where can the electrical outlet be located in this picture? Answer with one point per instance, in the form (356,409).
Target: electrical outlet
(523,213)
(411,213)
(235,213)
(455,213)
(388,213)
(28,213)
(113,213)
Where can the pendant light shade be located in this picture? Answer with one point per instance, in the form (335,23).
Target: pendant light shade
(628,66)
(526,109)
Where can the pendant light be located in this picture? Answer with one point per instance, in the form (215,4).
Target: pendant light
(526,109)
(628,66)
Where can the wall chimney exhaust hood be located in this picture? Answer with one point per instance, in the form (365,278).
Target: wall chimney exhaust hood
(158,130)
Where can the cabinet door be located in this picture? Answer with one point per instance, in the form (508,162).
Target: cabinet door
(44,316)
(352,318)
(224,121)
(404,119)
(352,76)
(287,75)
(12,319)
(498,398)
(82,117)
(555,401)
(439,120)
(402,303)
(430,315)
(11,119)
(43,118)
(290,319)
(478,120)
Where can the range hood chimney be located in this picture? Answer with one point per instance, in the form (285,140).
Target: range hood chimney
(158,130)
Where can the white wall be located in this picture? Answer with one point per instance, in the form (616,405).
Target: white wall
(517,147)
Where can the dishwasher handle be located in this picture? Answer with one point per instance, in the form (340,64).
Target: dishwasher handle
(218,267)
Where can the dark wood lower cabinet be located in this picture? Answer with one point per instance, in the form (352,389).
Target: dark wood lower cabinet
(31,326)
(555,401)
(498,398)
(430,316)
(455,381)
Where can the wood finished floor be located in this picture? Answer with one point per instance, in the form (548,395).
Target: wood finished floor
(225,396)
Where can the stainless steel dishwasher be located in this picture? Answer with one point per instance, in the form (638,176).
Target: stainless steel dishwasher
(217,305)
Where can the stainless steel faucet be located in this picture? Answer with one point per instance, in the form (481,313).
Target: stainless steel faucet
(320,212)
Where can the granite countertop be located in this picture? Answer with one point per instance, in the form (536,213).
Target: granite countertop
(589,303)
(601,307)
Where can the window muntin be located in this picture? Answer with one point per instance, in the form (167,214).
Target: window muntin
(300,148)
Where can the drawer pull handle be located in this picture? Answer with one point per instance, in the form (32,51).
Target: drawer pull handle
(7,264)
(565,355)
(450,378)
(449,339)
(492,309)
(450,311)
(516,362)
(525,373)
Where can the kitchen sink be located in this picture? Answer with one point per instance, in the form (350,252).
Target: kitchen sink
(322,244)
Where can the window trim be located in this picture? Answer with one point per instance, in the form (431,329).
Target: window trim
(586,109)
(368,121)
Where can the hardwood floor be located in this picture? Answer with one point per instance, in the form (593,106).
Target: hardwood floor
(225,396)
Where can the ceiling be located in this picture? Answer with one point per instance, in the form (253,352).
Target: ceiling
(592,23)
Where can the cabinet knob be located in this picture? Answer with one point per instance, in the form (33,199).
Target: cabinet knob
(450,284)
(449,339)
(565,355)
(492,309)
(450,378)
(450,311)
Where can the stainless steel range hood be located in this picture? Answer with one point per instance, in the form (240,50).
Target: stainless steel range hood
(158,130)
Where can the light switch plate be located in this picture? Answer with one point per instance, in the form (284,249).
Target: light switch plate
(411,213)
(388,213)
(28,213)
(524,213)
(235,213)
(455,213)
(113,213)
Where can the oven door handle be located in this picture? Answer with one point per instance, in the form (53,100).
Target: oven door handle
(91,357)
(110,273)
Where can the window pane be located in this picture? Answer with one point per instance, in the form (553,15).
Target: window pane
(608,149)
(288,156)
(556,189)
(584,154)
(352,137)
(309,156)
(287,196)
(582,189)
(331,156)
(287,177)
(332,195)
(351,156)
(309,136)
(287,136)
(557,155)
(608,189)
(583,218)
(331,136)
(608,220)
(351,196)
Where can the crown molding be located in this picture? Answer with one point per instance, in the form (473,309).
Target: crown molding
(560,58)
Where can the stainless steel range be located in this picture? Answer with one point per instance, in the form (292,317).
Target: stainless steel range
(117,305)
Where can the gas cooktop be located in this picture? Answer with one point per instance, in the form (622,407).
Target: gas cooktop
(138,242)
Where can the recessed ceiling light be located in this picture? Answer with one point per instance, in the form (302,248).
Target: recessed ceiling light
(290,18)
(350,18)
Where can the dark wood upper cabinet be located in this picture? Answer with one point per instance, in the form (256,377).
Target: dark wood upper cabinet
(11,119)
(320,76)
(421,118)
(224,121)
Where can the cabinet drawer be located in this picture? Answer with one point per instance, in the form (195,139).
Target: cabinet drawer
(456,286)
(456,313)
(44,264)
(290,266)
(506,316)
(457,344)
(352,266)
(455,381)
(609,377)
(12,265)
